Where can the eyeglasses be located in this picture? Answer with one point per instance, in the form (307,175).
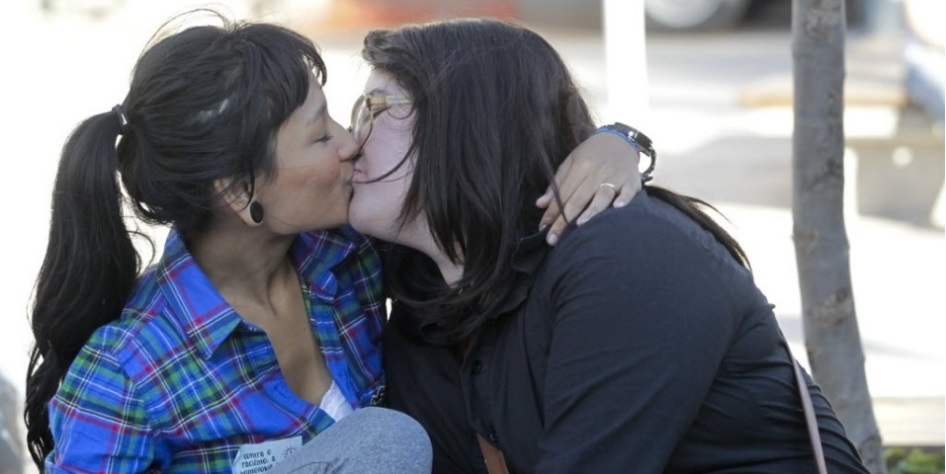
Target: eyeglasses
(364,111)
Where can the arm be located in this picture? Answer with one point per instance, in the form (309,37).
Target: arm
(604,158)
(640,327)
(98,422)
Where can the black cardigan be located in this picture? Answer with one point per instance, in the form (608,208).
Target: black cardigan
(638,344)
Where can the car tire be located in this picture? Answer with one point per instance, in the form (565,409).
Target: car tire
(694,15)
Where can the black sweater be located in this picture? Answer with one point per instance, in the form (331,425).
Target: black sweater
(638,344)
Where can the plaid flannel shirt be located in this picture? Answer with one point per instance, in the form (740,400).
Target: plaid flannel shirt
(180,382)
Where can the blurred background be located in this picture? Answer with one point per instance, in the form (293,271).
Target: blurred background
(712,86)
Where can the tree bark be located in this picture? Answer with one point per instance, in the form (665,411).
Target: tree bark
(832,338)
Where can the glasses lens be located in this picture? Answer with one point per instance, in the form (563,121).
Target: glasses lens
(361,121)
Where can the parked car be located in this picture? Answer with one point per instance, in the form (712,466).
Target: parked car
(694,15)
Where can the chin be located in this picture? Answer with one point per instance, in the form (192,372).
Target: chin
(368,225)
(334,222)
(358,220)
(359,224)
(372,216)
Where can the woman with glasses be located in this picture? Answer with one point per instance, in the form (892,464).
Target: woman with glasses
(258,329)
(639,343)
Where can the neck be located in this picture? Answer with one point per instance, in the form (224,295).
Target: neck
(244,263)
(451,272)
(418,237)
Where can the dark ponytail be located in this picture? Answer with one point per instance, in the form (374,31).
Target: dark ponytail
(89,269)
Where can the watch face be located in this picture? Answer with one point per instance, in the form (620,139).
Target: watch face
(625,129)
(646,145)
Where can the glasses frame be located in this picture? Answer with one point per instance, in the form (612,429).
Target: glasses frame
(371,106)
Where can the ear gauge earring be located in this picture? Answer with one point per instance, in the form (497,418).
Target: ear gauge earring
(256,212)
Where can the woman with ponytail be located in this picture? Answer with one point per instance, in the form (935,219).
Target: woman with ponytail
(639,343)
(259,327)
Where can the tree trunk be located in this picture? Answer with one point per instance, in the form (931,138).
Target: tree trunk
(832,338)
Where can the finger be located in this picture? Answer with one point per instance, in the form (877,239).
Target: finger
(569,177)
(556,230)
(575,204)
(554,211)
(560,220)
(551,213)
(602,199)
(563,171)
(628,191)
(544,200)
(548,200)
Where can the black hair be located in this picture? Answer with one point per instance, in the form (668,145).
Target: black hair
(203,107)
(496,112)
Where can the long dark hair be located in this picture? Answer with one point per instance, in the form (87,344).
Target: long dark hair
(204,106)
(496,112)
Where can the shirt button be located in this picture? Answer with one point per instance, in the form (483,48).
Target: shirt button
(492,434)
(477,367)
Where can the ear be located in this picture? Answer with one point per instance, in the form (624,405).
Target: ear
(236,196)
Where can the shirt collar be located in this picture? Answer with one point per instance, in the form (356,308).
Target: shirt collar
(316,254)
(205,315)
(526,262)
(531,252)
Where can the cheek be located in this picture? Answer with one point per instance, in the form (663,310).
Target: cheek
(326,172)
(377,160)
(387,146)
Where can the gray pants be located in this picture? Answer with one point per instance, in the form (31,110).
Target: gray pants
(370,440)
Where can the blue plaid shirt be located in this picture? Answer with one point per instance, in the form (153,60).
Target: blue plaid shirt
(180,382)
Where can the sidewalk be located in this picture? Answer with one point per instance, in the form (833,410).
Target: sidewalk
(904,356)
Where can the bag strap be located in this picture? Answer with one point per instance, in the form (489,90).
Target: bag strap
(495,461)
(810,419)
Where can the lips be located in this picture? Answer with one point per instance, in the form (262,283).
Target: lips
(352,182)
(357,177)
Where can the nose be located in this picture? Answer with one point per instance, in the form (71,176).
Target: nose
(348,148)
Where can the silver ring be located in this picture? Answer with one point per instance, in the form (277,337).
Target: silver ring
(609,185)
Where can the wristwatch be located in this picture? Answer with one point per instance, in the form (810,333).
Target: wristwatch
(638,140)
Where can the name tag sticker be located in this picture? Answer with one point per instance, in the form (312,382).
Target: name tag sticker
(261,457)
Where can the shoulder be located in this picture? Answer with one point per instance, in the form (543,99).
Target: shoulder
(145,332)
(644,229)
(647,246)
(145,303)
(100,364)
